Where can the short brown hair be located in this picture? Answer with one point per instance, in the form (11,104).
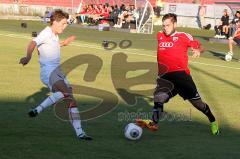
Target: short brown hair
(171,16)
(58,15)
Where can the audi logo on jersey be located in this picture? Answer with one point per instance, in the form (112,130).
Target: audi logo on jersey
(166,44)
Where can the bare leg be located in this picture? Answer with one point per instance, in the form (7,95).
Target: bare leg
(74,116)
(230,43)
(204,108)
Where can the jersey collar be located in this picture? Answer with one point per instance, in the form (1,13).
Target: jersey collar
(174,33)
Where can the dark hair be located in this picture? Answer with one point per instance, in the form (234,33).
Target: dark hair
(58,15)
(171,16)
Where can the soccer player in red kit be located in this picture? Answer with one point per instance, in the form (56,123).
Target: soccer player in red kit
(174,75)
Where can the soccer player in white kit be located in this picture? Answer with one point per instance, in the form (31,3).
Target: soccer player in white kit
(48,45)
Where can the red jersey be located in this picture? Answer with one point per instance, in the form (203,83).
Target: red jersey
(96,11)
(172,54)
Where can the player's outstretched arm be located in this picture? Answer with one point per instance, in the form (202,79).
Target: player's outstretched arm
(30,49)
(68,40)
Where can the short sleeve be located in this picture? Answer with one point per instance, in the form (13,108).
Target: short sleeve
(192,42)
(42,37)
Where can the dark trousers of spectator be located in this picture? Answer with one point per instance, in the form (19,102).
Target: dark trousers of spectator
(90,21)
(115,20)
(218,29)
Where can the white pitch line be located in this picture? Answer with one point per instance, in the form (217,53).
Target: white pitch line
(91,46)
(149,39)
(215,65)
(15,36)
(100,48)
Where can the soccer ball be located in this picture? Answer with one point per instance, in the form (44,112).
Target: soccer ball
(228,57)
(132,131)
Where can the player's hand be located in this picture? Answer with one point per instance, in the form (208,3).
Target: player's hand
(69,40)
(196,53)
(24,60)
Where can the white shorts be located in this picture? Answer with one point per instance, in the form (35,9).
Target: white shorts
(50,75)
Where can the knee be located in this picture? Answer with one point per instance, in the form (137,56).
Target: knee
(66,97)
(71,102)
(161,97)
(199,104)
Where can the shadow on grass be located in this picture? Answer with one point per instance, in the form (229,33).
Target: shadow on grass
(48,137)
(203,38)
(179,135)
(38,97)
(214,76)
(220,55)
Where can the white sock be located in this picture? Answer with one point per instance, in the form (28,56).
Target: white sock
(53,98)
(74,117)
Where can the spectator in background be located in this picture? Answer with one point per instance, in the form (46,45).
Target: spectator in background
(232,27)
(235,39)
(159,7)
(225,22)
(222,29)
(46,17)
(96,13)
(82,15)
(132,13)
(201,15)
(122,14)
(90,11)
(115,13)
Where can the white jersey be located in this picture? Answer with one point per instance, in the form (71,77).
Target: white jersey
(49,53)
(49,48)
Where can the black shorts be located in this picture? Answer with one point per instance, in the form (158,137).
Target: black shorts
(178,82)
(237,40)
